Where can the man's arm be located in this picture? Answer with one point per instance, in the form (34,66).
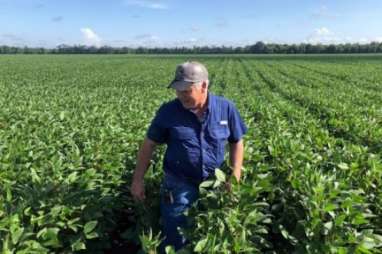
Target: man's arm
(143,161)
(236,153)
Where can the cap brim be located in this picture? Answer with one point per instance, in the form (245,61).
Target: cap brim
(180,84)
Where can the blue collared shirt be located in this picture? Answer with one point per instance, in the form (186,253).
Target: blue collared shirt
(195,148)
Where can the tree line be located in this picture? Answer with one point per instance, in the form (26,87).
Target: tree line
(257,48)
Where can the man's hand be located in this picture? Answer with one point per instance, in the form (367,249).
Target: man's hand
(236,151)
(143,161)
(138,190)
(237,173)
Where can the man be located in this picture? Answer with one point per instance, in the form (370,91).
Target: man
(195,126)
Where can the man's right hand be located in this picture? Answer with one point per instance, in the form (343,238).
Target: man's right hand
(143,161)
(138,190)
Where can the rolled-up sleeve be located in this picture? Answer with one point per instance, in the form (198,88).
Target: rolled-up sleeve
(236,125)
(157,130)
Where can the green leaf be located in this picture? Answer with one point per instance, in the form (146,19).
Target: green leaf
(343,166)
(78,245)
(359,219)
(72,177)
(9,195)
(340,220)
(330,207)
(327,227)
(49,237)
(92,235)
(220,176)
(62,115)
(284,232)
(31,246)
(199,247)
(170,250)
(378,238)
(35,177)
(368,243)
(206,184)
(16,234)
(90,226)
(262,204)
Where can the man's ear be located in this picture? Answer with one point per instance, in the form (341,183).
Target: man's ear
(204,85)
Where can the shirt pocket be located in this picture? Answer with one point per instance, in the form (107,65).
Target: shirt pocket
(219,131)
(219,134)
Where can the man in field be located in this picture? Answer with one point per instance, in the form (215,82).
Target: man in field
(195,127)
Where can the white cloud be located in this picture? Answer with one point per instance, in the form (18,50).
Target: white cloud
(324,36)
(192,40)
(363,40)
(323,31)
(151,4)
(13,40)
(366,40)
(90,37)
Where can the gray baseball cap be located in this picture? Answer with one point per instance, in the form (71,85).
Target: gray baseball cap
(187,74)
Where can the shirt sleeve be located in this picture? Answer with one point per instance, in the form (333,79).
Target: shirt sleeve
(236,125)
(157,130)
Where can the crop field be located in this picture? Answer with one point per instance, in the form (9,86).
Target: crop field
(71,126)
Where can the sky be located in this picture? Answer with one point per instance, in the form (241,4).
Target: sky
(175,23)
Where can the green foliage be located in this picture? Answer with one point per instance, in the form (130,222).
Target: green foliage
(229,220)
(150,242)
(70,127)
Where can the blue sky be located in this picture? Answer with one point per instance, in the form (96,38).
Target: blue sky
(153,23)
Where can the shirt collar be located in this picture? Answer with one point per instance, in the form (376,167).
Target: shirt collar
(209,101)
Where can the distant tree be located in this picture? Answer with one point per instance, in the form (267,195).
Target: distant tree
(331,49)
(379,48)
(373,47)
(257,48)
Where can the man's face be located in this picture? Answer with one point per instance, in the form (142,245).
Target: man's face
(192,96)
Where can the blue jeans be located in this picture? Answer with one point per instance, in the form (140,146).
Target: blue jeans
(176,196)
